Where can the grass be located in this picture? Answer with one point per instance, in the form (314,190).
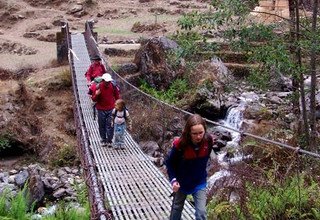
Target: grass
(17,206)
(112,30)
(280,200)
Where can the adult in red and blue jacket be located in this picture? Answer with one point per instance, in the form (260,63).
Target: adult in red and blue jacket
(96,69)
(105,97)
(186,167)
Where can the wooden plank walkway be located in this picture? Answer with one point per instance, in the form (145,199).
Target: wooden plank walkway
(134,187)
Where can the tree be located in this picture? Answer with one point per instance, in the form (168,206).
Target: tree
(313,57)
(281,48)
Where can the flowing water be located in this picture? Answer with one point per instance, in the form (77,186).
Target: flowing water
(234,120)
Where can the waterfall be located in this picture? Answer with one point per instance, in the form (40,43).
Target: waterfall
(233,119)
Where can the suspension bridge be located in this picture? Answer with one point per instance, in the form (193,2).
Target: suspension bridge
(122,184)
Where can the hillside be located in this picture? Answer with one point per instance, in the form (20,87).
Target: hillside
(35,95)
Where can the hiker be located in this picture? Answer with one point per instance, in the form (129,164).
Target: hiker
(92,88)
(96,69)
(120,121)
(186,167)
(105,97)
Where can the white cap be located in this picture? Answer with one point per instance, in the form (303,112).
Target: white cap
(107,77)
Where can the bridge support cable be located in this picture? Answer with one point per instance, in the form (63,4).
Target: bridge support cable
(160,104)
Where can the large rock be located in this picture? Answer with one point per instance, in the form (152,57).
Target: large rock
(152,63)
(36,187)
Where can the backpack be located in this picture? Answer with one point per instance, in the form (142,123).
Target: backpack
(124,113)
(210,145)
(98,80)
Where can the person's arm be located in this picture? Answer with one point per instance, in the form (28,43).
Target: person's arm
(128,120)
(88,74)
(92,89)
(95,95)
(172,163)
(103,69)
(113,116)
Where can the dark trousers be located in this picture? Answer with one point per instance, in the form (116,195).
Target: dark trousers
(105,129)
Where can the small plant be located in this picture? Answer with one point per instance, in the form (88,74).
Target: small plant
(66,78)
(4,142)
(15,206)
(176,91)
(82,193)
(188,42)
(66,211)
(65,156)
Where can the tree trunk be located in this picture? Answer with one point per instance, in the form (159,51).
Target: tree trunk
(301,78)
(297,79)
(313,77)
(295,82)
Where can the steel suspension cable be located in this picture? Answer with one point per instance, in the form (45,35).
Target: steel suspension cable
(297,149)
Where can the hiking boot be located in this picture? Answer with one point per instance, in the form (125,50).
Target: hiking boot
(103,143)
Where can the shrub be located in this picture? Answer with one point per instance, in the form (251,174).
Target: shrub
(66,156)
(176,91)
(4,142)
(293,199)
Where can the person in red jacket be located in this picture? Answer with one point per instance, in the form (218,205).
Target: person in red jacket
(95,69)
(105,97)
(186,167)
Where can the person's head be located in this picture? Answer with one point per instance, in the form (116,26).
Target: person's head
(106,77)
(120,105)
(96,59)
(194,129)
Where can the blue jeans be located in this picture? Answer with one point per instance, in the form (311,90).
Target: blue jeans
(104,122)
(119,130)
(199,198)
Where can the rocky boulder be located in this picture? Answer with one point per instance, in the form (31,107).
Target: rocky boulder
(152,63)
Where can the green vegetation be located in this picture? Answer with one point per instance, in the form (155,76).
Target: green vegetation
(285,48)
(105,30)
(296,198)
(17,206)
(62,80)
(65,156)
(4,142)
(66,79)
(188,42)
(175,92)
(65,211)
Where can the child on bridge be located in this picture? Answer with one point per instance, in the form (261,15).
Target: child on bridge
(96,69)
(121,120)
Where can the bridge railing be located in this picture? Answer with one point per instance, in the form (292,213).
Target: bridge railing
(95,191)
(91,39)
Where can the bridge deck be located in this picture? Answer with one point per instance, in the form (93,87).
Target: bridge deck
(134,187)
